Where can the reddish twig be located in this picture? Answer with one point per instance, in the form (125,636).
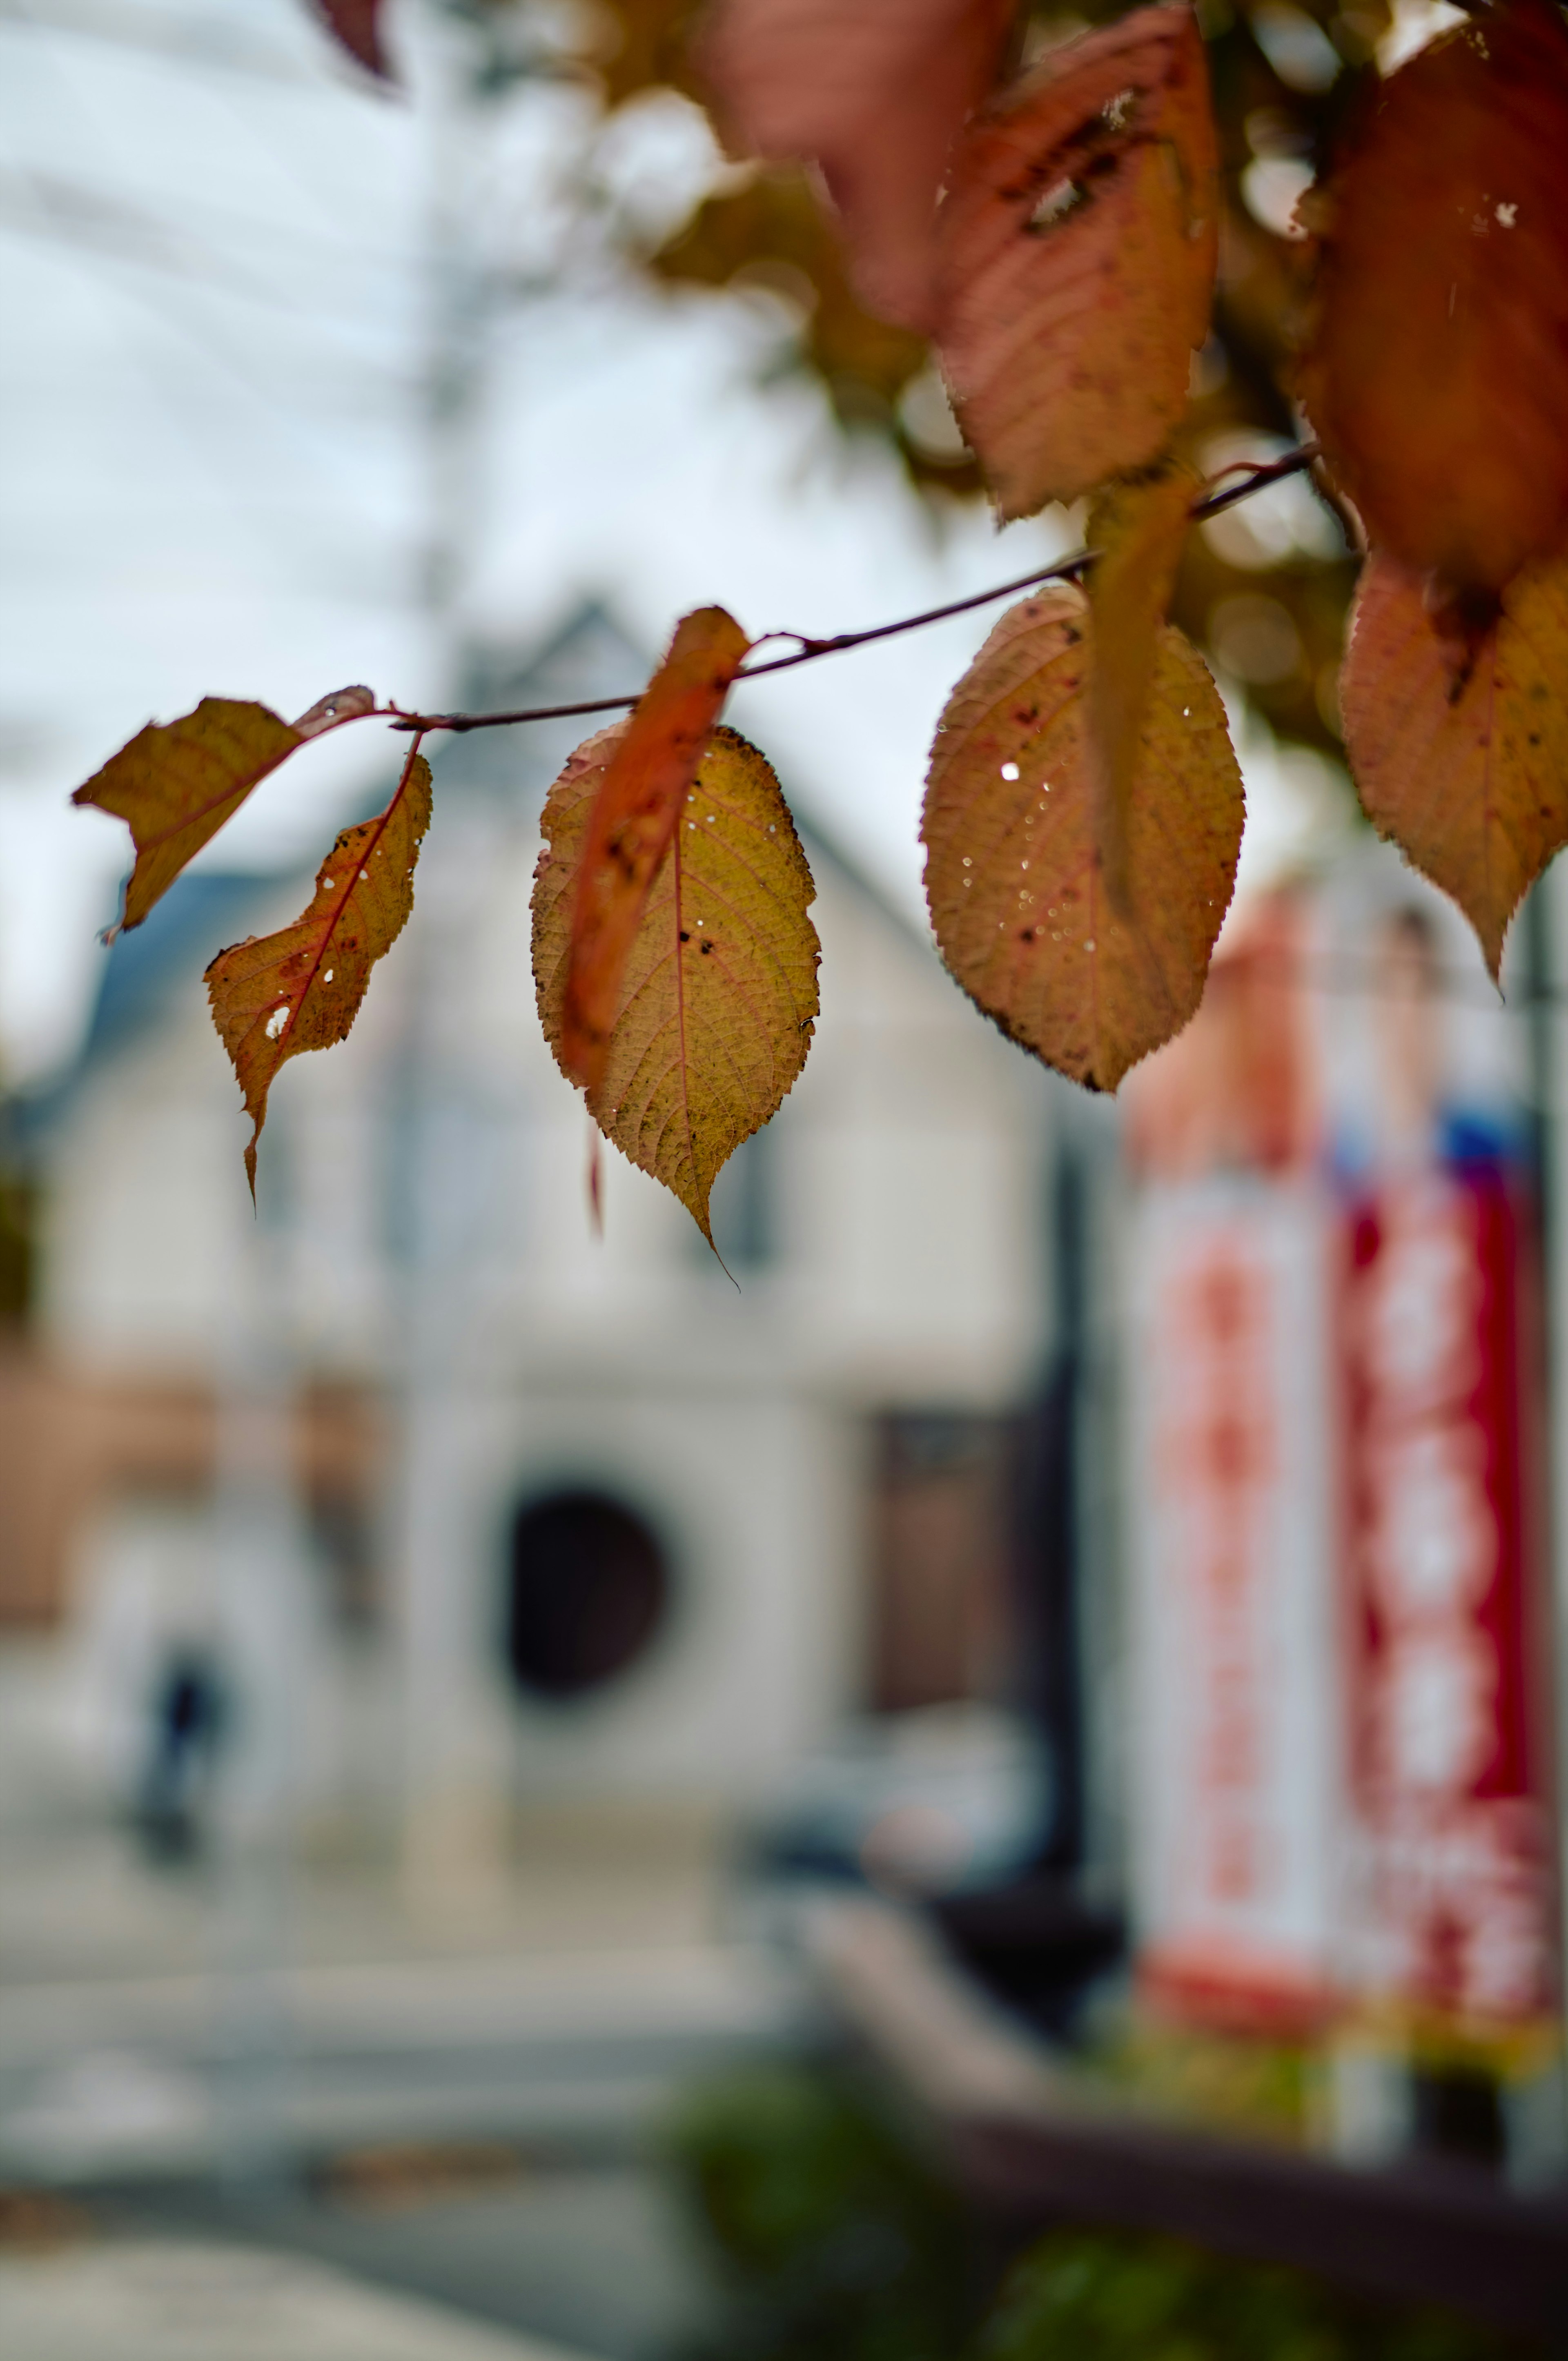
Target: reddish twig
(1063,570)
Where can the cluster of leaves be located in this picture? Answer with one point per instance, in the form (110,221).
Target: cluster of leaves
(1055,230)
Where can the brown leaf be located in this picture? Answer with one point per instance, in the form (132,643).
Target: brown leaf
(178,782)
(1457,732)
(275,996)
(358,25)
(638,799)
(715,999)
(1437,379)
(1138,524)
(873,93)
(1019,906)
(1077,246)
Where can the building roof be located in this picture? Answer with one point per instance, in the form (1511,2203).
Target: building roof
(589,657)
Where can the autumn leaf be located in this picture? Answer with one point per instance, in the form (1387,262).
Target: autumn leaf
(716,996)
(1437,377)
(632,821)
(874,94)
(358,25)
(275,996)
(176,782)
(1018,901)
(1458,738)
(1137,524)
(1078,246)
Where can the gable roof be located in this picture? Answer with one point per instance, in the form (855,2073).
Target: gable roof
(589,657)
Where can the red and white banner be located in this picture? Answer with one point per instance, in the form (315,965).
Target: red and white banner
(1235,1803)
(1452,1910)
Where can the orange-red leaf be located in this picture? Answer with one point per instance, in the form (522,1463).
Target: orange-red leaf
(1458,740)
(1078,246)
(716,999)
(1016,899)
(874,93)
(274,995)
(1137,524)
(176,783)
(633,819)
(1437,377)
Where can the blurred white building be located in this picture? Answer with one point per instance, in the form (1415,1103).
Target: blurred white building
(578,1517)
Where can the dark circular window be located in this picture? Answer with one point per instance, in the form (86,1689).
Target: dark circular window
(588,1590)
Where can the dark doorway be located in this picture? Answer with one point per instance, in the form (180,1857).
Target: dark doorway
(588,1590)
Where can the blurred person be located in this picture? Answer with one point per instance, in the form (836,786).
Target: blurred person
(185,1730)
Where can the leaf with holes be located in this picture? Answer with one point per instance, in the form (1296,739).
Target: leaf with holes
(1137,524)
(177,782)
(874,94)
(716,996)
(1457,732)
(1018,900)
(1437,374)
(274,995)
(632,823)
(1076,270)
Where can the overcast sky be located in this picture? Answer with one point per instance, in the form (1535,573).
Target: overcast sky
(213,262)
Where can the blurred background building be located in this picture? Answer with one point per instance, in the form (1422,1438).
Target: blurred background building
(451,1664)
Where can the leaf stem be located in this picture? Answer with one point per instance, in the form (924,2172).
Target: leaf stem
(1064,569)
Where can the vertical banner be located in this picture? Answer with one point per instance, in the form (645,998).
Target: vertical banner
(1235,1801)
(1452,1914)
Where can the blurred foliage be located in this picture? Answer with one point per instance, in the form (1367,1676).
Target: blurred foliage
(835,2242)
(1268,607)
(833,2239)
(1260,2089)
(1114,2296)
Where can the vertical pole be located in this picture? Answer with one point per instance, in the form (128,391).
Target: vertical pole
(1544,2137)
(446,1844)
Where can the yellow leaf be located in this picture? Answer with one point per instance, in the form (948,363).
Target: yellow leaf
(300,989)
(1019,906)
(1078,246)
(1137,524)
(718,993)
(1457,732)
(631,823)
(176,783)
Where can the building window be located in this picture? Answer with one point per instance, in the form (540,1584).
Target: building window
(587,1593)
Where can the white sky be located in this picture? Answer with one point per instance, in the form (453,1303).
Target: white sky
(212,259)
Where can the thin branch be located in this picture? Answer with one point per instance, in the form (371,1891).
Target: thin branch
(1065,569)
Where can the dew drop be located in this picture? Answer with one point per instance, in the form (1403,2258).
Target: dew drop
(968,863)
(1088,946)
(327,977)
(1009,770)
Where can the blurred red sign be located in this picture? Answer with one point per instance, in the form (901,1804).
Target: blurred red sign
(1453,1913)
(1236,1795)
